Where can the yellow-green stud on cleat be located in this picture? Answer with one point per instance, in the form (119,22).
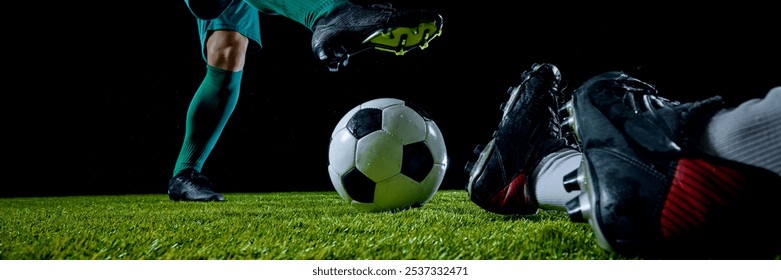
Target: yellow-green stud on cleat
(400,40)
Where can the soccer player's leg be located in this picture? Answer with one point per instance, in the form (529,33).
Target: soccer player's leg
(342,29)
(225,41)
(647,187)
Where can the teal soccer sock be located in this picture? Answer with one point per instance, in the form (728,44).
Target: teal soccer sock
(209,111)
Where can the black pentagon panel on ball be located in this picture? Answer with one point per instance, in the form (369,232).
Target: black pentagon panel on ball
(365,121)
(358,186)
(417,161)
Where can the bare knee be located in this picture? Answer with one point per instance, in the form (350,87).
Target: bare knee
(226,50)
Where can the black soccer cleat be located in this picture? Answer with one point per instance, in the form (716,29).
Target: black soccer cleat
(355,28)
(191,185)
(528,131)
(645,187)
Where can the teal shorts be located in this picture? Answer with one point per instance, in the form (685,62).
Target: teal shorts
(239,17)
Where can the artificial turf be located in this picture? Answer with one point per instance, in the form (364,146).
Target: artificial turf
(281,226)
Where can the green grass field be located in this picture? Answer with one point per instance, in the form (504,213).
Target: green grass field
(281,226)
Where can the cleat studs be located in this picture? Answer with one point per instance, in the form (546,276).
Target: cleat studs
(572,181)
(564,110)
(567,125)
(569,107)
(425,40)
(571,138)
(570,126)
(468,167)
(579,209)
(573,210)
(478,149)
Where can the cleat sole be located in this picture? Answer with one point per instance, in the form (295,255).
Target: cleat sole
(582,208)
(400,40)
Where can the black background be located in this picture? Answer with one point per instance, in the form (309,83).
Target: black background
(96,95)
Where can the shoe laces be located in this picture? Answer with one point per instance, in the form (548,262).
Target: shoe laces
(651,106)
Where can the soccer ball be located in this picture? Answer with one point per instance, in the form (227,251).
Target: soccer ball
(384,155)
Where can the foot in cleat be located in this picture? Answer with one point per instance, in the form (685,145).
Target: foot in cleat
(355,28)
(191,185)
(528,131)
(645,187)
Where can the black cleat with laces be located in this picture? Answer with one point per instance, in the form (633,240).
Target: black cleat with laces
(354,28)
(647,190)
(528,131)
(191,185)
